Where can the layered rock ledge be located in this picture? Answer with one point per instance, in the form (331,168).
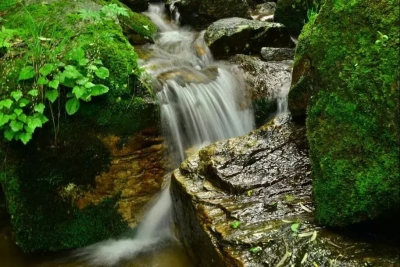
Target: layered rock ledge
(247,201)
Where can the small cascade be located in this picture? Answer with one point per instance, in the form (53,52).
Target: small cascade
(201,101)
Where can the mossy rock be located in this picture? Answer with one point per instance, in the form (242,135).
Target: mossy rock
(68,152)
(350,87)
(295,13)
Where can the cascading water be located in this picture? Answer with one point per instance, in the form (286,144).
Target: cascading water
(201,102)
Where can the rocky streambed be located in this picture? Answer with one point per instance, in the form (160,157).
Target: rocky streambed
(247,201)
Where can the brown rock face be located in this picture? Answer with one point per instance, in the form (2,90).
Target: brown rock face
(136,172)
(247,202)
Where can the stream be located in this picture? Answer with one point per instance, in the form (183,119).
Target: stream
(201,101)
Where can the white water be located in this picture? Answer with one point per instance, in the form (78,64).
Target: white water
(201,102)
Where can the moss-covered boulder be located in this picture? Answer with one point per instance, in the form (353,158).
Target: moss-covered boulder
(295,13)
(77,180)
(346,73)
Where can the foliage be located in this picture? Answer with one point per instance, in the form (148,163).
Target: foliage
(5,36)
(352,118)
(107,12)
(235,224)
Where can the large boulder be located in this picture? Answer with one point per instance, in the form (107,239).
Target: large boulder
(345,79)
(266,82)
(247,201)
(242,36)
(85,177)
(295,13)
(277,54)
(201,13)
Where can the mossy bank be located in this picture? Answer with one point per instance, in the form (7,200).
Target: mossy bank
(42,179)
(346,78)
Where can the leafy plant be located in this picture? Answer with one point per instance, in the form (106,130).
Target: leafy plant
(108,12)
(235,224)
(5,36)
(255,249)
(383,38)
(16,124)
(295,227)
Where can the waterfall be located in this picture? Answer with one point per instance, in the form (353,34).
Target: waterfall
(201,101)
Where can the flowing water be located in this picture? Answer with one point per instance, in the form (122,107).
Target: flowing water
(201,101)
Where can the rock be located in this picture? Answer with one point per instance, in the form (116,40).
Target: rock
(295,13)
(201,13)
(266,82)
(277,54)
(247,201)
(264,12)
(137,5)
(352,104)
(236,35)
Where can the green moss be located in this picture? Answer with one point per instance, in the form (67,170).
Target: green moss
(352,111)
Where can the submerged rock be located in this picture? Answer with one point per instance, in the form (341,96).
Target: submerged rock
(346,82)
(201,13)
(236,35)
(266,82)
(247,201)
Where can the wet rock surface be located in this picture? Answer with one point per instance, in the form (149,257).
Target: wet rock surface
(277,54)
(264,12)
(247,201)
(264,81)
(201,13)
(236,35)
(136,172)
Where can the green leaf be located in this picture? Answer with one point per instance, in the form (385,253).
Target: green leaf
(98,62)
(235,224)
(79,91)
(27,72)
(16,95)
(39,108)
(34,123)
(23,102)
(83,62)
(9,134)
(41,117)
(22,117)
(102,72)
(255,249)
(6,103)
(75,54)
(4,119)
(46,69)
(92,67)
(89,85)
(98,89)
(16,125)
(295,227)
(18,111)
(146,27)
(42,80)
(51,95)
(71,72)
(25,137)
(82,81)
(33,92)
(72,106)
(54,84)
